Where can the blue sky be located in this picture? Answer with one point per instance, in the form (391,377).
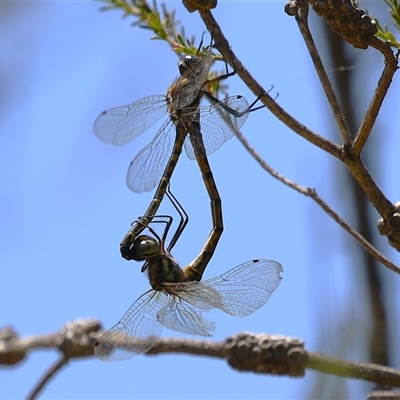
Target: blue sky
(65,206)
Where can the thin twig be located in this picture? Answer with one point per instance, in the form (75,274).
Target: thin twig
(366,371)
(302,21)
(309,192)
(375,195)
(381,90)
(50,373)
(385,208)
(223,46)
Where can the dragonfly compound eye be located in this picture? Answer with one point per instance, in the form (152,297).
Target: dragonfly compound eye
(186,63)
(145,247)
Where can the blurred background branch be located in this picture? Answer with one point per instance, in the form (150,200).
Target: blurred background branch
(258,353)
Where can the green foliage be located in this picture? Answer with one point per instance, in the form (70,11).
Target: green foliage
(383,31)
(163,23)
(165,27)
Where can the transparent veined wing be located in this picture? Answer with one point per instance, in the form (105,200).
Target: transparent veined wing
(198,294)
(137,331)
(182,317)
(119,125)
(146,169)
(238,292)
(217,121)
(247,287)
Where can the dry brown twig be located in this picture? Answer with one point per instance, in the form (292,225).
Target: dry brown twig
(309,192)
(50,373)
(349,152)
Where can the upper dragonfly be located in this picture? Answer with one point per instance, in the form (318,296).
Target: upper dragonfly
(201,130)
(177,302)
(120,125)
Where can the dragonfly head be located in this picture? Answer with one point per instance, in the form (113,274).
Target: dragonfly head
(144,247)
(186,63)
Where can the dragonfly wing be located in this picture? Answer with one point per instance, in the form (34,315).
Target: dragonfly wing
(247,287)
(148,166)
(189,148)
(218,123)
(137,331)
(181,317)
(119,125)
(204,297)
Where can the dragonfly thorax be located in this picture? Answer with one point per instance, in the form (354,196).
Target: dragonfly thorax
(194,71)
(164,269)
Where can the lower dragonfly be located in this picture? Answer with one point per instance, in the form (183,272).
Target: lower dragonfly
(201,130)
(177,302)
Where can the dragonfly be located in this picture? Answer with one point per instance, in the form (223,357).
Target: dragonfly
(200,130)
(176,302)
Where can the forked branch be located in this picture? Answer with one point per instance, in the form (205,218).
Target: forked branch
(350,152)
(221,43)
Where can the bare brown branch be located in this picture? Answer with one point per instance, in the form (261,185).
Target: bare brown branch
(309,192)
(50,373)
(302,21)
(344,153)
(223,46)
(391,66)
(369,372)
(357,168)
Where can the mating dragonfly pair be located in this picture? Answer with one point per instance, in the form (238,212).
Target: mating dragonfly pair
(177,297)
